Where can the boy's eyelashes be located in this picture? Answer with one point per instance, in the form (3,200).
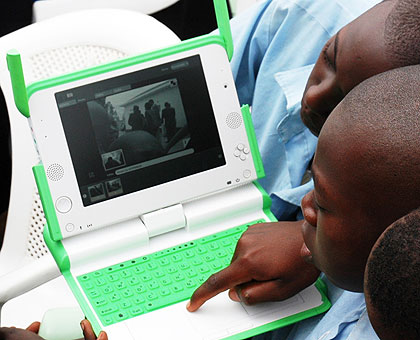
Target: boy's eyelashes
(318,207)
(327,59)
(316,204)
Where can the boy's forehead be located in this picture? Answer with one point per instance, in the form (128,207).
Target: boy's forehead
(342,146)
(335,130)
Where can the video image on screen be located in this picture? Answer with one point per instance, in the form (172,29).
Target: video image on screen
(142,127)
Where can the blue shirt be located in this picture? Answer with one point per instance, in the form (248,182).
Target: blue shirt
(346,320)
(276,44)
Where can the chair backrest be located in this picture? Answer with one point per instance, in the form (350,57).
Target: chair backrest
(237,6)
(44,9)
(52,47)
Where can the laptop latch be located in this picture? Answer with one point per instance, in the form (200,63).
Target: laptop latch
(164,220)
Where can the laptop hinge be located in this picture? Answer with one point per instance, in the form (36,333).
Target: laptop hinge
(164,220)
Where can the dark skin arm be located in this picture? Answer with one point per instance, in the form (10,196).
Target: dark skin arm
(266,266)
(31,333)
(12,333)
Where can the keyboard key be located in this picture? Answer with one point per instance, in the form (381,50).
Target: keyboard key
(151,266)
(88,285)
(204,269)
(145,277)
(226,242)
(133,281)
(191,273)
(120,285)
(221,253)
(108,289)
(84,278)
(201,279)
(166,281)
(159,273)
(209,258)
(189,254)
(125,304)
(176,258)
(151,296)
(139,300)
(201,250)
(136,311)
(115,297)
(164,292)
(122,316)
(100,281)
(177,288)
(179,277)
(127,293)
(126,273)
(171,270)
(164,262)
(107,310)
(138,270)
(213,246)
(216,266)
(113,277)
(141,288)
(108,320)
(100,302)
(190,283)
(153,285)
(196,262)
(184,266)
(94,293)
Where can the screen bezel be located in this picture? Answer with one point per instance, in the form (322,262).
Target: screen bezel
(102,154)
(53,149)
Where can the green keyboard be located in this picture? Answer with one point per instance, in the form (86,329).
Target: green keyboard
(153,281)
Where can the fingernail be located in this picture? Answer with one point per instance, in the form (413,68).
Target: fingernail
(101,336)
(188,305)
(82,325)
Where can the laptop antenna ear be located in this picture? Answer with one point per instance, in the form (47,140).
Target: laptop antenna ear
(222,17)
(14,63)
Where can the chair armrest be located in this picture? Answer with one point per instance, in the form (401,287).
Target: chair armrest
(27,277)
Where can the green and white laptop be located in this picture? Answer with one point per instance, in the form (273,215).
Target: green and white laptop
(148,179)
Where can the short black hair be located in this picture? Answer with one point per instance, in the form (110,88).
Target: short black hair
(393,277)
(402,33)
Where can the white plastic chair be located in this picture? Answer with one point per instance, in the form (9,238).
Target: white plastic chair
(237,6)
(44,9)
(51,47)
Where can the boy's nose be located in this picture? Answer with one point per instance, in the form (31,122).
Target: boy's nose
(308,208)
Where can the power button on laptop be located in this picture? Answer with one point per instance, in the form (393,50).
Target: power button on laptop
(63,204)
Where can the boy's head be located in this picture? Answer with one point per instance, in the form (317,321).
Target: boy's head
(392,280)
(385,37)
(366,174)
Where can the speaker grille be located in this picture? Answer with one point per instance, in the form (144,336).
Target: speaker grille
(55,172)
(234,120)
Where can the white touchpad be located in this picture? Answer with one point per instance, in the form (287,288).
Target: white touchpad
(220,317)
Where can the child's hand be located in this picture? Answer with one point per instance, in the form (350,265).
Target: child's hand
(266,266)
(88,332)
(12,333)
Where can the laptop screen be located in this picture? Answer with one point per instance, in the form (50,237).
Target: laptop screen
(139,130)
